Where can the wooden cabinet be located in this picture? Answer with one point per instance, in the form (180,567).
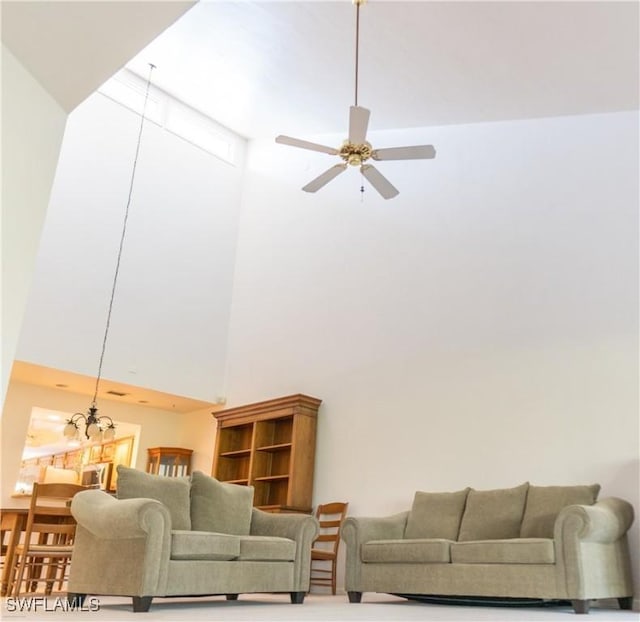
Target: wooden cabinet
(169,461)
(271,446)
(73,459)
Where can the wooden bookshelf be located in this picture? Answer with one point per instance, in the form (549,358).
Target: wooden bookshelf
(271,446)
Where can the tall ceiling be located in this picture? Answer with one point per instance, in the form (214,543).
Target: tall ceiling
(72,47)
(266,67)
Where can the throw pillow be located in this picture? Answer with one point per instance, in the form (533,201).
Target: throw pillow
(493,514)
(172,491)
(545,502)
(220,507)
(436,515)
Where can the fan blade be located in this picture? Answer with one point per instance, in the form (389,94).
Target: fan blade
(419,152)
(303,144)
(379,181)
(325,178)
(358,124)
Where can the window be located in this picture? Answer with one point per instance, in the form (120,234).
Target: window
(128,89)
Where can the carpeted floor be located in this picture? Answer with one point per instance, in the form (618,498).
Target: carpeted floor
(274,608)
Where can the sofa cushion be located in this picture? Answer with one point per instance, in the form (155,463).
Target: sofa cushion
(545,502)
(436,515)
(200,545)
(266,548)
(511,551)
(173,492)
(220,507)
(493,514)
(406,551)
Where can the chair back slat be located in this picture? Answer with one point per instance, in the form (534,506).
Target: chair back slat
(337,507)
(327,537)
(49,510)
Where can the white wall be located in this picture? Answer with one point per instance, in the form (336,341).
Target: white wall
(32,128)
(481,329)
(169,323)
(198,432)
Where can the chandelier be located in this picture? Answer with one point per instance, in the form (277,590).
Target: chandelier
(97,428)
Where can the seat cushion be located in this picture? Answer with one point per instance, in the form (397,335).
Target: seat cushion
(220,507)
(204,545)
(173,492)
(511,551)
(434,550)
(493,514)
(436,515)
(545,502)
(266,548)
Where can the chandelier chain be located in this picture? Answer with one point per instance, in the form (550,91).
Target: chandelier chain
(122,236)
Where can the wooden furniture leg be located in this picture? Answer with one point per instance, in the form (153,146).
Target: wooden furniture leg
(14,522)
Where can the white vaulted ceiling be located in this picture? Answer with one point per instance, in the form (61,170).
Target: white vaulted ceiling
(72,47)
(266,67)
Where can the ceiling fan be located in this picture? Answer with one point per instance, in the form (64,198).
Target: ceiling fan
(356,150)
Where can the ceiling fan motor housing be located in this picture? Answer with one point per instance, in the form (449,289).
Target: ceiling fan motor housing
(355,155)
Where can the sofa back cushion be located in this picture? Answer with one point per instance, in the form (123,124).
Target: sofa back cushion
(173,492)
(493,514)
(436,515)
(545,502)
(220,507)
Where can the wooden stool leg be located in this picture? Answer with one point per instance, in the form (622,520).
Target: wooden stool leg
(333,576)
(19,575)
(52,570)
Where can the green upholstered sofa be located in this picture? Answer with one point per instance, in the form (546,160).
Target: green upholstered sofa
(528,542)
(185,536)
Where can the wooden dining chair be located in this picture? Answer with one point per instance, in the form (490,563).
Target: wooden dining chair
(325,548)
(45,552)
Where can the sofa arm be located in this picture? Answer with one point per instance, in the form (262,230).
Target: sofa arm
(106,517)
(122,546)
(301,528)
(298,527)
(590,538)
(605,521)
(356,531)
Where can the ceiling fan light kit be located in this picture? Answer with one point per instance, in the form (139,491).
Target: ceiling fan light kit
(356,150)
